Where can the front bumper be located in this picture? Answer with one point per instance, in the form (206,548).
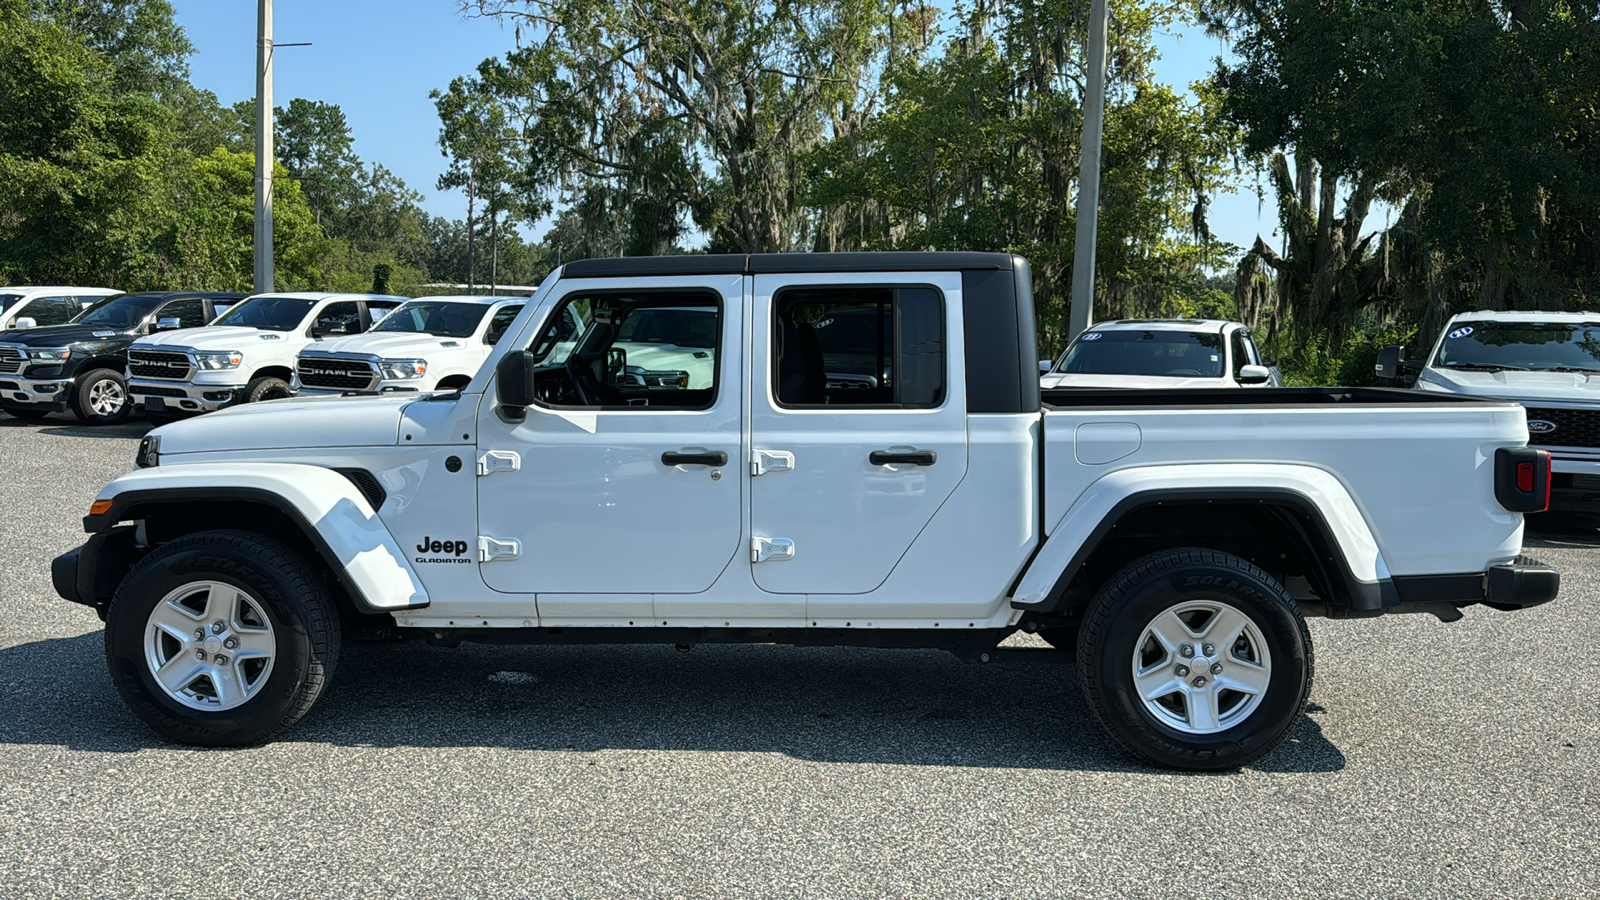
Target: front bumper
(1574,483)
(90,574)
(155,395)
(43,393)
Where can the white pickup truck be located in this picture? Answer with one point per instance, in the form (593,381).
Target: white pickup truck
(1161,353)
(1549,363)
(1175,539)
(437,343)
(245,356)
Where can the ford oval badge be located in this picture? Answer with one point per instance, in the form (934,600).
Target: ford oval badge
(1540,426)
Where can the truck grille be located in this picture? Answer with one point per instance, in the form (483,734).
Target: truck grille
(158,364)
(330,374)
(1573,427)
(10,360)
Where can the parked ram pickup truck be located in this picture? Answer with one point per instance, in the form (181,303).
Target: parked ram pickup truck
(247,355)
(423,345)
(1549,363)
(79,366)
(1175,539)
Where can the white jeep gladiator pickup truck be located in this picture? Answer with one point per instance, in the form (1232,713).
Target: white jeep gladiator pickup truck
(1549,363)
(1161,353)
(245,356)
(1174,539)
(437,343)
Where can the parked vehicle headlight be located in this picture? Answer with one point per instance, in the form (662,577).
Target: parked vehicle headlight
(402,369)
(218,359)
(51,353)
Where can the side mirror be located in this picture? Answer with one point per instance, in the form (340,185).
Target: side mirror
(1389,362)
(24,322)
(1254,375)
(1045,365)
(513,382)
(616,365)
(168,323)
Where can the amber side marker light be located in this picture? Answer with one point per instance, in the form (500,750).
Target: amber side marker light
(100,507)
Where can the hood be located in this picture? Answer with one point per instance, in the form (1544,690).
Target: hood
(220,337)
(392,345)
(295,423)
(1146,382)
(60,335)
(1535,387)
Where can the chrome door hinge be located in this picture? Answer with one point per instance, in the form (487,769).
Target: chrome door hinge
(493,549)
(764,461)
(765,549)
(493,461)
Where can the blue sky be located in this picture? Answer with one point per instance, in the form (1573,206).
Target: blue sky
(378,59)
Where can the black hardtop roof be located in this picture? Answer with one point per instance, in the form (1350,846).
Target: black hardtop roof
(773,263)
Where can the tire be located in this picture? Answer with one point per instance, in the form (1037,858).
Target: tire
(27,415)
(1251,693)
(197,594)
(101,398)
(267,388)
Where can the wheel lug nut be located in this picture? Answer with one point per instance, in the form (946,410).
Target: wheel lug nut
(1216,668)
(1182,671)
(200,655)
(1186,651)
(231,643)
(199,634)
(221,660)
(1200,681)
(217,627)
(1208,649)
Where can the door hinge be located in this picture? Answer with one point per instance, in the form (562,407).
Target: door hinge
(492,549)
(493,461)
(764,461)
(765,549)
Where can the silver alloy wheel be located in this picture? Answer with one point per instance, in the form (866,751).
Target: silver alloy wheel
(1201,667)
(106,397)
(209,645)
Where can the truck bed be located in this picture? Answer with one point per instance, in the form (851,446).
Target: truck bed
(1079,398)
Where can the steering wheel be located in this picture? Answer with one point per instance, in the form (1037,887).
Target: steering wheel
(574,368)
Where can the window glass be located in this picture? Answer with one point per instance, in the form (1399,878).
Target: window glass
(121,312)
(51,310)
(219,307)
(377,310)
(1495,346)
(343,317)
(7,299)
(652,350)
(1174,354)
(441,319)
(270,313)
(1241,356)
(190,313)
(502,320)
(850,346)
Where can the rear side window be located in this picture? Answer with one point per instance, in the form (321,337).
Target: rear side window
(859,346)
(190,313)
(343,317)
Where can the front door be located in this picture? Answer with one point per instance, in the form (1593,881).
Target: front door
(625,478)
(858,423)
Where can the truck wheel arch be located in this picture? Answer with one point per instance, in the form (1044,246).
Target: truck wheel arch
(1307,540)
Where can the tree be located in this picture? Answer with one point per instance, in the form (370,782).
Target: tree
(479,142)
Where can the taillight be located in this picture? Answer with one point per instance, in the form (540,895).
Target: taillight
(1522,479)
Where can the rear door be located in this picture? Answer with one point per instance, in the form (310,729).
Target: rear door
(858,423)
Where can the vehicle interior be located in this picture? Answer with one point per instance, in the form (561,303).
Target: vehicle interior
(578,362)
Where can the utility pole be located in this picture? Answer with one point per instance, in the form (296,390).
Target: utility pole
(1094,114)
(263,245)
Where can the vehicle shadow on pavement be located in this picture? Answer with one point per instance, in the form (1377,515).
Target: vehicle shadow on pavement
(1561,530)
(66,426)
(922,708)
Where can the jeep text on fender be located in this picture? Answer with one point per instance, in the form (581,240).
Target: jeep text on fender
(841,449)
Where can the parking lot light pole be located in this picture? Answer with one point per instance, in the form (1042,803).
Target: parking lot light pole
(263,242)
(1094,112)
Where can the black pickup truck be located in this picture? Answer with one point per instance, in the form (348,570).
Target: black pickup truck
(80,366)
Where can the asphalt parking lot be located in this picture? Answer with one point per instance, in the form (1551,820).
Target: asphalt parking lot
(1437,760)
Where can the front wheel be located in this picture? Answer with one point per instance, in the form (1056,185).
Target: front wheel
(101,398)
(1195,659)
(267,388)
(221,638)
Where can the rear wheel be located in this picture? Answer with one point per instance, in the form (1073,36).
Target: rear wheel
(267,388)
(101,398)
(221,638)
(1195,659)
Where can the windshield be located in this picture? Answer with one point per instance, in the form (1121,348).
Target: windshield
(679,327)
(1173,354)
(121,312)
(457,320)
(7,299)
(271,313)
(1521,345)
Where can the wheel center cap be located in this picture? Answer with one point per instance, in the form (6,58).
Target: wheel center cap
(213,644)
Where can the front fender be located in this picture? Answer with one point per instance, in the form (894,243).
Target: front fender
(1097,509)
(331,511)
